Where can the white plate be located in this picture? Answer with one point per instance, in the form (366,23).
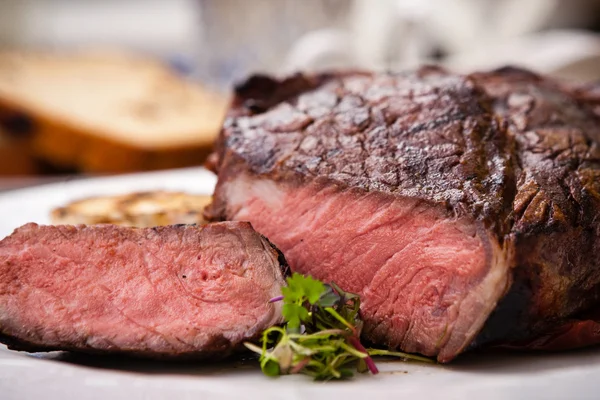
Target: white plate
(570,375)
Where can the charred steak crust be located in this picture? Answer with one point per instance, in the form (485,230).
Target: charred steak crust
(556,212)
(430,135)
(512,150)
(169,292)
(283,264)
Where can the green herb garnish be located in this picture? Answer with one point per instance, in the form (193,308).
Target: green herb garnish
(321,334)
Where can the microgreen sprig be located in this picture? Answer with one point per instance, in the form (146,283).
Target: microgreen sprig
(321,337)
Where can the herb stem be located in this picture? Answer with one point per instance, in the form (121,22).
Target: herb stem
(298,367)
(381,352)
(340,318)
(353,350)
(368,360)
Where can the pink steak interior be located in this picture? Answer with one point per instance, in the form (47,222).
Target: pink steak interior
(427,282)
(169,290)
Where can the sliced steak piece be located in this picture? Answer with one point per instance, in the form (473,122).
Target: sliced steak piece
(165,292)
(408,189)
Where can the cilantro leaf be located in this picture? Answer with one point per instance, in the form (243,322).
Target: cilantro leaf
(294,314)
(313,289)
(291,294)
(301,288)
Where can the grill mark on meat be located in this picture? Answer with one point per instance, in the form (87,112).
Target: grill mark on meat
(436,123)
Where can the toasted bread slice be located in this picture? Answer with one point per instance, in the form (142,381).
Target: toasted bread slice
(108,112)
(142,209)
(16,157)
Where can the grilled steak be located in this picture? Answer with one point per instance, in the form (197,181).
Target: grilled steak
(465,210)
(166,292)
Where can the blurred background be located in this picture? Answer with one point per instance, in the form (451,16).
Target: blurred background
(173,63)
